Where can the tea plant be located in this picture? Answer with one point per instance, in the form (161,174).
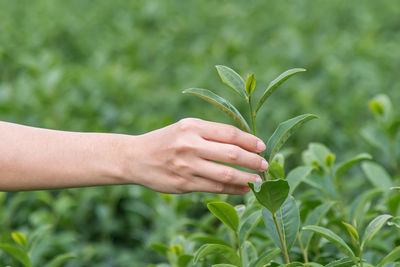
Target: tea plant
(273,200)
(22,247)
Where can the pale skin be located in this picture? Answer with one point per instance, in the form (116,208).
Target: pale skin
(180,158)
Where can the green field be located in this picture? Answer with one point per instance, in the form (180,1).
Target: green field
(120,66)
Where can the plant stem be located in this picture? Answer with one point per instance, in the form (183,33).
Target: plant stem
(361,257)
(253,117)
(303,250)
(253,121)
(278,228)
(239,247)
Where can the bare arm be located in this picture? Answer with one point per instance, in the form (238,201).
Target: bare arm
(176,159)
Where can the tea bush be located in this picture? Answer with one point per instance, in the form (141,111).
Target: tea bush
(118,66)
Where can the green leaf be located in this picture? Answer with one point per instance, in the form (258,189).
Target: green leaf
(60,259)
(377,175)
(225,213)
(289,221)
(184,259)
(373,227)
(334,238)
(313,264)
(297,175)
(36,236)
(17,253)
(393,256)
(293,264)
(208,239)
(352,231)
(247,224)
(343,262)
(249,252)
(250,84)
(223,265)
(284,131)
(395,221)
(275,84)
(19,238)
(272,194)
(160,248)
(276,171)
(314,218)
(232,79)
(216,249)
(265,258)
(330,159)
(220,103)
(343,167)
(357,208)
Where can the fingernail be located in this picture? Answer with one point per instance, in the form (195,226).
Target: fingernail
(258,180)
(260,146)
(264,164)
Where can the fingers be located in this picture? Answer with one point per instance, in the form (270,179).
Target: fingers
(233,155)
(224,174)
(228,134)
(205,185)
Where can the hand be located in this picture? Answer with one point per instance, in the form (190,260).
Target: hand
(180,158)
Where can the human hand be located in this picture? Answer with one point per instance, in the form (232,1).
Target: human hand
(180,158)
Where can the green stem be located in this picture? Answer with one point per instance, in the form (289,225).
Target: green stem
(361,257)
(278,228)
(303,250)
(239,247)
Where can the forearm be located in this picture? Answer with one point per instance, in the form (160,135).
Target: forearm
(33,158)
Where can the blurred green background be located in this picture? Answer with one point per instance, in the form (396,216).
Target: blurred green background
(120,66)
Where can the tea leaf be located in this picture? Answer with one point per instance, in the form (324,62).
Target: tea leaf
(343,167)
(352,231)
(184,259)
(17,253)
(265,258)
(19,238)
(250,84)
(220,103)
(160,248)
(343,262)
(275,84)
(357,208)
(393,256)
(207,239)
(284,131)
(314,218)
(223,265)
(334,238)
(297,175)
(216,249)
(247,224)
(289,222)
(271,194)
(373,227)
(293,264)
(225,213)
(377,175)
(232,79)
(276,171)
(249,252)
(59,260)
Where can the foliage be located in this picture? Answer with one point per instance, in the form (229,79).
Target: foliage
(116,66)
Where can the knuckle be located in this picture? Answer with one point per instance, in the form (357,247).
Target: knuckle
(232,134)
(180,184)
(183,146)
(233,154)
(227,175)
(179,166)
(219,188)
(187,124)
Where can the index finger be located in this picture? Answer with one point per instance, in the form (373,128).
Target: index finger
(223,133)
